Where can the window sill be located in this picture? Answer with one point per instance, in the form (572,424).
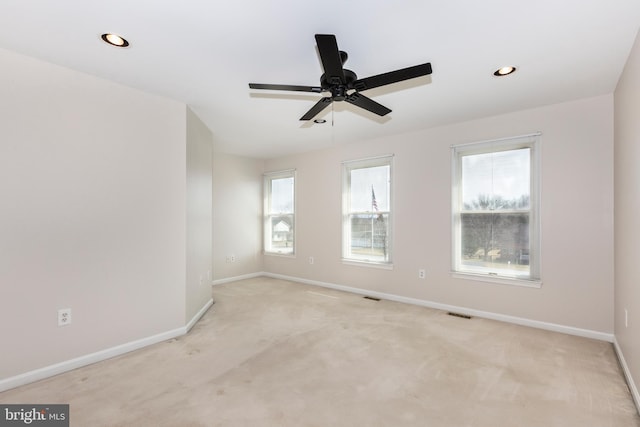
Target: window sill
(502,280)
(371,264)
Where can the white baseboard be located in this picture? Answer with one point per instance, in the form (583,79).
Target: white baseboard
(627,374)
(570,330)
(99,356)
(236,278)
(198,315)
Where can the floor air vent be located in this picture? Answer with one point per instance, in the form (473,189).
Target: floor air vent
(372,298)
(464,316)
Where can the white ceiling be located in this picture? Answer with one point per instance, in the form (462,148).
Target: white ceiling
(205,52)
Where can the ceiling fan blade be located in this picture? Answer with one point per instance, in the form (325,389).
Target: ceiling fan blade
(392,77)
(368,104)
(320,105)
(330,56)
(285,87)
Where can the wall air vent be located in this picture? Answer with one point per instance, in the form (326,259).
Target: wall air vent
(463,316)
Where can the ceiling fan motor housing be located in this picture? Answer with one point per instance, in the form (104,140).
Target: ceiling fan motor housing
(334,84)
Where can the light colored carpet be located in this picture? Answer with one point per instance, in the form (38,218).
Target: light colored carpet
(276,353)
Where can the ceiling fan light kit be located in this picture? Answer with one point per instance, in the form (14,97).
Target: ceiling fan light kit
(343,84)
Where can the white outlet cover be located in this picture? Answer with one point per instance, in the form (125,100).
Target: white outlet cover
(64,317)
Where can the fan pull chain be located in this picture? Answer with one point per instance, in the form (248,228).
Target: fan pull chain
(332,110)
(333,135)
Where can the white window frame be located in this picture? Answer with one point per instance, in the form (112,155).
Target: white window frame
(267,215)
(347,167)
(531,141)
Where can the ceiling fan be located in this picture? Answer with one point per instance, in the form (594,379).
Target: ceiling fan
(343,84)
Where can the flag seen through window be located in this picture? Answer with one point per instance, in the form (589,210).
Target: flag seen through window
(367,211)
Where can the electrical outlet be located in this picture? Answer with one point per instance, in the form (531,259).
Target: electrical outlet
(232,258)
(311,260)
(422,273)
(64,316)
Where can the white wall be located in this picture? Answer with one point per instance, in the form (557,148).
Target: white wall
(101,190)
(237,215)
(199,218)
(576,213)
(627,220)
(92,196)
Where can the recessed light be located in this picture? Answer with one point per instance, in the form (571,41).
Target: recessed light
(504,71)
(114,40)
(320,121)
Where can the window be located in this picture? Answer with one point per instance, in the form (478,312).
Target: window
(279,212)
(495,209)
(366,211)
